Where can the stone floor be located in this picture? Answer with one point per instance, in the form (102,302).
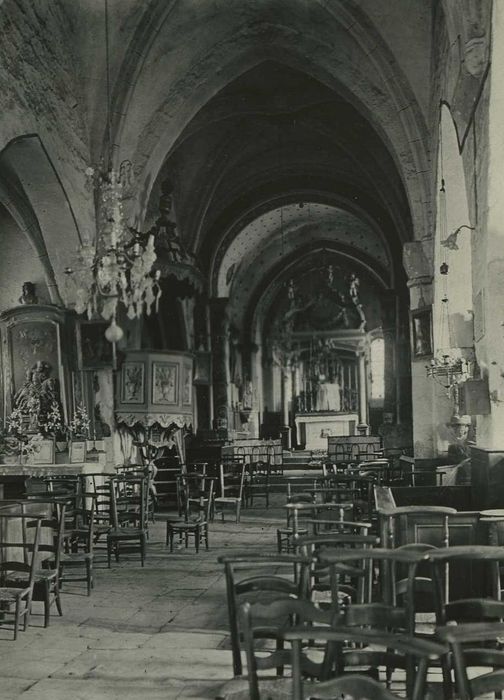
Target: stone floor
(151,633)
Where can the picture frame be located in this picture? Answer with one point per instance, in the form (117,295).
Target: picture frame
(46,454)
(93,350)
(133,383)
(165,383)
(421,332)
(77,451)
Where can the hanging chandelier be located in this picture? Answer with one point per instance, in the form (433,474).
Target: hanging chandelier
(117,267)
(448,367)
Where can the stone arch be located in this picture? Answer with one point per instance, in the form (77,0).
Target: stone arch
(32,192)
(377,87)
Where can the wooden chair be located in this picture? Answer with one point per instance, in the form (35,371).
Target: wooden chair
(231,489)
(79,551)
(417,654)
(129,529)
(264,627)
(491,656)
(475,562)
(312,546)
(251,577)
(276,469)
(196,517)
(15,601)
(258,482)
(46,585)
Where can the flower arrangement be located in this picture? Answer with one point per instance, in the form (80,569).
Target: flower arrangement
(53,421)
(30,446)
(80,424)
(16,423)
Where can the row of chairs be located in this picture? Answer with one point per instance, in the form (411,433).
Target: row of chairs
(49,539)
(371,626)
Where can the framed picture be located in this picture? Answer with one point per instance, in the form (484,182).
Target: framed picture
(46,454)
(93,350)
(421,332)
(165,383)
(133,383)
(186,385)
(77,451)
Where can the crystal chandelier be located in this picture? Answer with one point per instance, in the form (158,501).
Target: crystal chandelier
(118,266)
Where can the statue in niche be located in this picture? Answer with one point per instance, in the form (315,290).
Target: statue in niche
(38,396)
(165,230)
(247,395)
(28,295)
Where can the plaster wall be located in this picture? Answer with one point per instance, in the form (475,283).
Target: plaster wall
(488,144)
(18,264)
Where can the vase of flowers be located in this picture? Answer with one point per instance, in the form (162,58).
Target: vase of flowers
(78,432)
(27,446)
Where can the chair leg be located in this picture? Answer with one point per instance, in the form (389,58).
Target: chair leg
(89,576)
(57,597)
(109,551)
(143,547)
(238,508)
(16,617)
(206,537)
(197,538)
(47,602)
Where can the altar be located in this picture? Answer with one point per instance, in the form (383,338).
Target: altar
(315,427)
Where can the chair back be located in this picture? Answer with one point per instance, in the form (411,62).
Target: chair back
(17,553)
(201,502)
(128,501)
(262,621)
(417,654)
(357,582)
(483,638)
(232,479)
(50,547)
(249,578)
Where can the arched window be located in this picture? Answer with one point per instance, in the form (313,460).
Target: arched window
(377,362)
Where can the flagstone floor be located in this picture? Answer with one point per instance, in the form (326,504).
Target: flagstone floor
(151,633)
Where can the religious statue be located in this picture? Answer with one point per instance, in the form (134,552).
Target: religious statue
(167,236)
(328,395)
(28,295)
(39,400)
(353,290)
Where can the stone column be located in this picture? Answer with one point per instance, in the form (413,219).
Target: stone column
(389,321)
(219,326)
(363,394)
(429,400)
(285,402)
